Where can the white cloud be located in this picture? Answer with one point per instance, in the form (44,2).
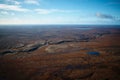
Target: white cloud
(43,11)
(48,11)
(12,7)
(36,2)
(7,13)
(4,12)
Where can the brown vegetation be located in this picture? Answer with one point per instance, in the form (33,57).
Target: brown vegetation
(65,57)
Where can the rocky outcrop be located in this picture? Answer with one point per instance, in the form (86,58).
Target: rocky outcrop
(6,52)
(32,47)
(59,41)
(27,48)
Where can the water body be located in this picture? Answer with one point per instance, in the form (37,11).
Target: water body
(93,53)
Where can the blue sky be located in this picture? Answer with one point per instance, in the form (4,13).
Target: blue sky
(60,12)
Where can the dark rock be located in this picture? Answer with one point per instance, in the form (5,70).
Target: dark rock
(30,48)
(6,52)
(60,41)
(27,48)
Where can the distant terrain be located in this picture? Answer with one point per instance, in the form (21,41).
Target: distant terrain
(60,52)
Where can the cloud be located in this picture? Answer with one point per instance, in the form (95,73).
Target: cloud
(45,11)
(48,11)
(4,12)
(36,2)
(106,16)
(12,7)
(7,13)
(13,2)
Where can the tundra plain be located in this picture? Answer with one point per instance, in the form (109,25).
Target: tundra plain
(59,52)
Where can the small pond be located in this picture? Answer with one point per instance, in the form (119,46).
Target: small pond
(93,53)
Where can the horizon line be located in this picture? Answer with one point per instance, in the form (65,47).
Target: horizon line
(59,24)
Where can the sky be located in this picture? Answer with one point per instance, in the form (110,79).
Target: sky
(60,12)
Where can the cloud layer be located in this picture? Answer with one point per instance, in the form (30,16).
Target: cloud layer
(36,2)
(12,7)
(48,11)
(13,2)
